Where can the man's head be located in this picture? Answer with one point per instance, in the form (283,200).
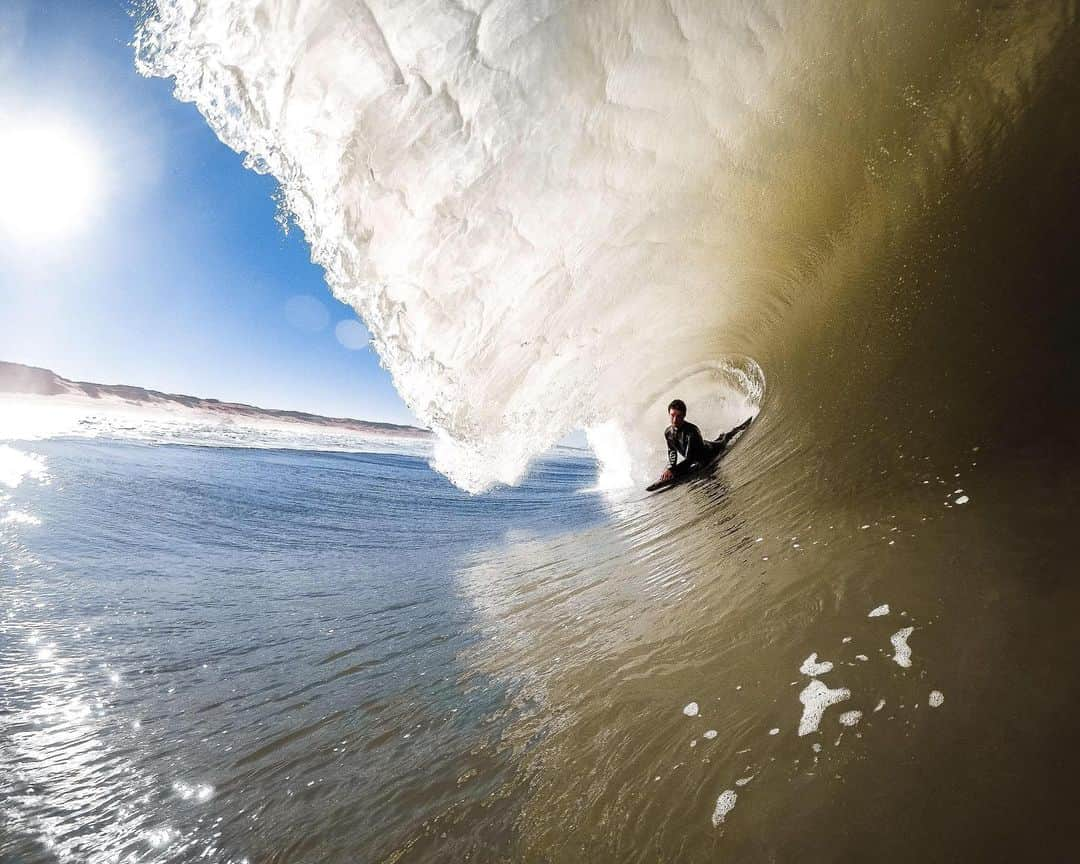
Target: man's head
(677,412)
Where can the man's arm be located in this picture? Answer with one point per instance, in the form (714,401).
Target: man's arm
(672,453)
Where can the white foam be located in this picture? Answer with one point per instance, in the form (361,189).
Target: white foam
(850,718)
(815,699)
(877,612)
(936,698)
(861,657)
(811,667)
(902,655)
(724,805)
(31,417)
(774,731)
(710,734)
(963,499)
(879,706)
(159,838)
(846,639)
(742,781)
(691,710)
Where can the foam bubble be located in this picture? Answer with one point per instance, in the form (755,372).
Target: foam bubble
(774,731)
(724,805)
(936,698)
(815,699)
(710,734)
(879,706)
(742,781)
(811,667)
(691,710)
(902,655)
(159,838)
(850,718)
(877,612)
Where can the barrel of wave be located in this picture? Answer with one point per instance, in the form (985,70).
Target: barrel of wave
(719,395)
(629,445)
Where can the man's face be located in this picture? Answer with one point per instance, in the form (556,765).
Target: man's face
(676,417)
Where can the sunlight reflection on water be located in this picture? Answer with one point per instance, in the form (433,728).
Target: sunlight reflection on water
(17,466)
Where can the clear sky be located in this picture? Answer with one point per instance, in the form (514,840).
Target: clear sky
(141,251)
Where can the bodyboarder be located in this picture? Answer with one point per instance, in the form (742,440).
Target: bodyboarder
(684,439)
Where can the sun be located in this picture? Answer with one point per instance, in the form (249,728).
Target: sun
(49,182)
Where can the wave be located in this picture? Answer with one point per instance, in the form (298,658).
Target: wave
(551,215)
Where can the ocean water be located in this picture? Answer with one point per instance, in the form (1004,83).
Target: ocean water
(234,654)
(853,642)
(253,652)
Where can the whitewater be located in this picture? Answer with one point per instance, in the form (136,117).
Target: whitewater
(854,222)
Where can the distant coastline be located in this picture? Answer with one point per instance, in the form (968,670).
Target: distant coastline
(17,378)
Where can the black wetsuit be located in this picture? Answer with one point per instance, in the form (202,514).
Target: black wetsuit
(686,441)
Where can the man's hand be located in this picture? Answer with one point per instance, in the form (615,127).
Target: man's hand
(667,475)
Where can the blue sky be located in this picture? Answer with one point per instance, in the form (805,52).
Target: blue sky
(179,279)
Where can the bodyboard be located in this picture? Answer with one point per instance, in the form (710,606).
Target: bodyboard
(697,469)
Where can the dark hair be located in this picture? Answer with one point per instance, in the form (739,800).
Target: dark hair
(678,405)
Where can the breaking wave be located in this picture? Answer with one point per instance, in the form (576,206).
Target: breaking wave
(556,215)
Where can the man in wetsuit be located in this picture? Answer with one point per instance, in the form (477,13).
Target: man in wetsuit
(684,439)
